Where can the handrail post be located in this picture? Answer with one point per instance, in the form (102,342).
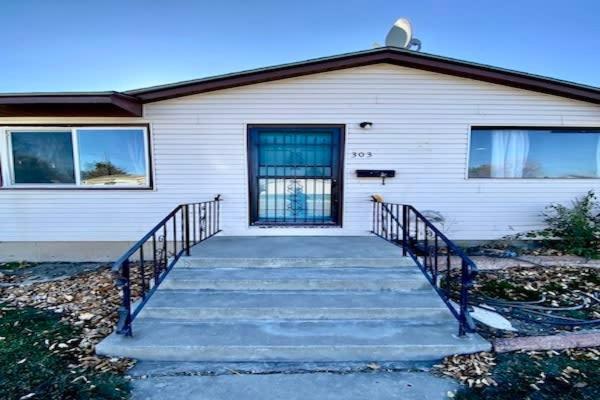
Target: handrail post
(373,216)
(123,282)
(464,298)
(404,229)
(218,212)
(382,217)
(186,213)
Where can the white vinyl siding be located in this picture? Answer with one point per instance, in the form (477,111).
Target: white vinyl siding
(421,124)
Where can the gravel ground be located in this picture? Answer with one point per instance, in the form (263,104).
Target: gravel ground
(50,271)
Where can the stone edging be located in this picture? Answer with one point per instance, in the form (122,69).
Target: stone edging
(551,342)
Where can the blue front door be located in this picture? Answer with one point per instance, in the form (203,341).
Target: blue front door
(295,175)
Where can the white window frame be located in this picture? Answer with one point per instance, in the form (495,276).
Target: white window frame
(7,162)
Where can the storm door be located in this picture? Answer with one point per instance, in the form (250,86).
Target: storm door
(295,175)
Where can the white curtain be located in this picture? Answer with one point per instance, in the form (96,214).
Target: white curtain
(510,149)
(135,150)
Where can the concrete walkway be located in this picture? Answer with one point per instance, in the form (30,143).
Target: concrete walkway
(313,386)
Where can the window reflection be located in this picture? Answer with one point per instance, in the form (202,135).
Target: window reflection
(294,199)
(112,157)
(534,153)
(42,157)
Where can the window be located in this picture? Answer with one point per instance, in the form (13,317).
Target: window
(534,153)
(112,157)
(82,157)
(42,158)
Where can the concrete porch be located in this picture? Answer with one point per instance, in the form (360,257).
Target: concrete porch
(294,299)
(360,247)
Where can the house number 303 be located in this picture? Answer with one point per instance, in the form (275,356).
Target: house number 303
(362,154)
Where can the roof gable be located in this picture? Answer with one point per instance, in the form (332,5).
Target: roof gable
(388,55)
(129,103)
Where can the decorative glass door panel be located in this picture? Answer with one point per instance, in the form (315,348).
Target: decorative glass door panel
(295,176)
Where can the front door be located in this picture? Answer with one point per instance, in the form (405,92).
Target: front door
(295,174)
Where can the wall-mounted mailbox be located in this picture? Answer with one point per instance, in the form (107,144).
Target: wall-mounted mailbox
(376,173)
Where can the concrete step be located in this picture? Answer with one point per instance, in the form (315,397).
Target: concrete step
(413,385)
(290,341)
(365,247)
(295,279)
(426,306)
(294,262)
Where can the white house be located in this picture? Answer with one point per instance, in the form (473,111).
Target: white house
(85,174)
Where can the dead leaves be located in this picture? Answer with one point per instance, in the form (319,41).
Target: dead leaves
(374,366)
(560,286)
(574,292)
(473,370)
(557,283)
(86,316)
(89,300)
(583,354)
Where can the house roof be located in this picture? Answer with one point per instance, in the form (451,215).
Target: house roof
(129,103)
(89,104)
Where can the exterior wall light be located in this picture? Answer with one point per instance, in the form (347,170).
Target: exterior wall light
(366,125)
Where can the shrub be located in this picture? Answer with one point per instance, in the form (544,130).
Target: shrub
(572,230)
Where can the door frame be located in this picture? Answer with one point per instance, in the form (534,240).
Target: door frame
(253,195)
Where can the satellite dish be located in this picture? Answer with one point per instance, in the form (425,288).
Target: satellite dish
(401,35)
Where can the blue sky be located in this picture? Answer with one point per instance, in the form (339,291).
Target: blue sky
(70,45)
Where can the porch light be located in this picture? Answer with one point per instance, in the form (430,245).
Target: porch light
(366,125)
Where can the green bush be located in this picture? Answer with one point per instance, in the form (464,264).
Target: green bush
(572,230)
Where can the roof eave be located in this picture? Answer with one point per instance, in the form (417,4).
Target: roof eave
(111,104)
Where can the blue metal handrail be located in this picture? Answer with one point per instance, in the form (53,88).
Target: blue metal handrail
(404,225)
(187,225)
